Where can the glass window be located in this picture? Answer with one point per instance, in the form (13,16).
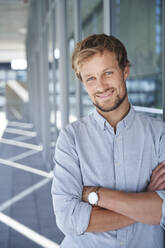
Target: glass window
(70,38)
(56,68)
(92,17)
(140,29)
(51,79)
(92,23)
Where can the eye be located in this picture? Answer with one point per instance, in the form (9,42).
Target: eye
(108,73)
(90,79)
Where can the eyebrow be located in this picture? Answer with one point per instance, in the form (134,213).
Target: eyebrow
(87,75)
(107,68)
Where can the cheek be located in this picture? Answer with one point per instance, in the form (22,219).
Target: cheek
(90,89)
(123,87)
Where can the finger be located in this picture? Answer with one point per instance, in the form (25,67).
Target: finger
(161,186)
(162,164)
(155,171)
(156,174)
(159,181)
(156,180)
(153,187)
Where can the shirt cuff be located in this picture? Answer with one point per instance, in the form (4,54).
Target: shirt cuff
(84,217)
(161,194)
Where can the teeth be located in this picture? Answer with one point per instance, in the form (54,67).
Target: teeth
(106,93)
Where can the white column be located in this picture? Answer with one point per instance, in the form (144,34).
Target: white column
(63,66)
(107,17)
(78,35)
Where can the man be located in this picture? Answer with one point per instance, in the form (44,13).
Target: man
(109,181)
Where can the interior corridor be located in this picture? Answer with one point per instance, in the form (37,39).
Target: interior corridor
(26,213)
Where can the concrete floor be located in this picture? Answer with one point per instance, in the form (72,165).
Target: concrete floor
(32,207)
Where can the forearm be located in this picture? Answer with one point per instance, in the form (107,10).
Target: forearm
(103,220)
(141,207)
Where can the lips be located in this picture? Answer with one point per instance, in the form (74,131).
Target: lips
(105,94)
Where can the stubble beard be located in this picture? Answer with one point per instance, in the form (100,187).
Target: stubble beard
(118,102)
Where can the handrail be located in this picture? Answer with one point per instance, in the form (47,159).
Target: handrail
(149,110)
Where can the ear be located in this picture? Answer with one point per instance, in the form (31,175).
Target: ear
(126,72)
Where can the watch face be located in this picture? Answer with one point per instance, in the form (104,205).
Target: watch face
(92,198)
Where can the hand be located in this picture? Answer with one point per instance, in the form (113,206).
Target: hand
(86,191)
(157,181)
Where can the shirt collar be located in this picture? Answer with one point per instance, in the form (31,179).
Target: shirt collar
(126,122)
(129,117)
(100,119)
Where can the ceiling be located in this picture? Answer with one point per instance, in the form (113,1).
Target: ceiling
(13,22)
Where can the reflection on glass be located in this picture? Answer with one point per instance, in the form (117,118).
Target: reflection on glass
(53,56)
(71,77)
(140,29)
(92,23)
(92,17)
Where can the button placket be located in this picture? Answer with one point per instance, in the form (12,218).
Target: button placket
(118,162)
(120,184)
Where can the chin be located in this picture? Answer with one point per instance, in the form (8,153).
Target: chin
(105,109)
(108,108)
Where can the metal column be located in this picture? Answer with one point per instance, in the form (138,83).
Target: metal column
(53,26)
(78,35)
(63,67)
(163,58)
(44,94)
(33,68)
(107,17)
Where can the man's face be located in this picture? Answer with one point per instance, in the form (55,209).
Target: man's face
(104,81)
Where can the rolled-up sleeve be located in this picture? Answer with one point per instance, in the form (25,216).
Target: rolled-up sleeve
(161,193)
(72,214)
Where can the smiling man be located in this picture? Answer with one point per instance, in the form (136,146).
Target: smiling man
(109,177)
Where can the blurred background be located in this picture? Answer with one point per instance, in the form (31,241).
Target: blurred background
(39,95)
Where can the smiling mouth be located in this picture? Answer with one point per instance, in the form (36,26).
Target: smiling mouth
(106,94)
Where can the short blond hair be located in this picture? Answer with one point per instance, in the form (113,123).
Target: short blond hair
(98,43)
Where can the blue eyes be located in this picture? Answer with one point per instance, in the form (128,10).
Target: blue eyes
(90,79)
(107,73)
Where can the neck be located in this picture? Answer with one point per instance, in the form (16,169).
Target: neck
(115,116)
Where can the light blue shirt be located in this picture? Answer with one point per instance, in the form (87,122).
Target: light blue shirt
(89,153)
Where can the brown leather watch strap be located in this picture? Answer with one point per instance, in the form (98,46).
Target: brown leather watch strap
(97,190)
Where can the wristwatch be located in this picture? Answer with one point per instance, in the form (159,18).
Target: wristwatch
(93,197)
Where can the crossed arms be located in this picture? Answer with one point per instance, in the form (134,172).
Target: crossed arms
(115,210)
(118,209)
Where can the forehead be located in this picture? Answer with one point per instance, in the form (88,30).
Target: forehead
(98,61)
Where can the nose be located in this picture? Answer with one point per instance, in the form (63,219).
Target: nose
(101,84)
